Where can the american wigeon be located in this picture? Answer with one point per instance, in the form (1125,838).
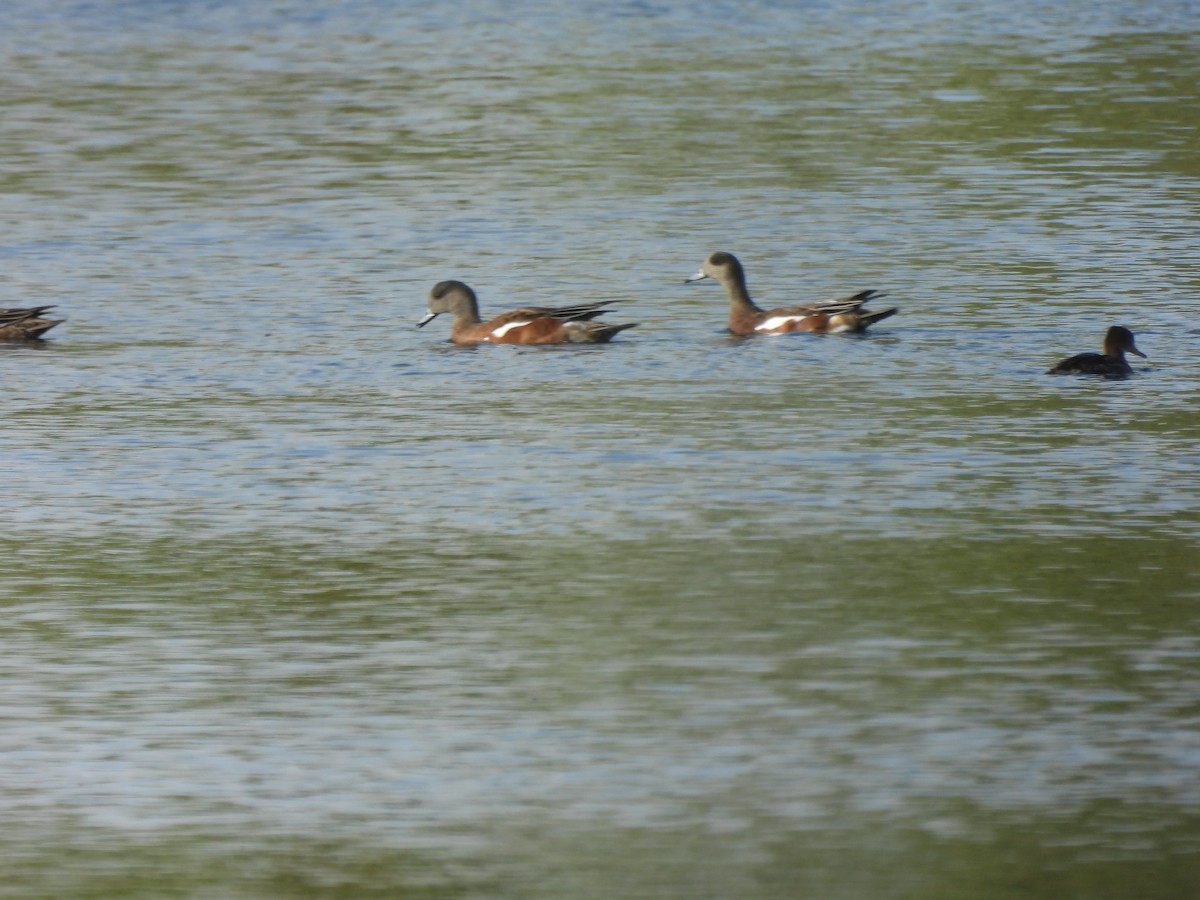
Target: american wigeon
(25,324)
(1117,341)
(528,325)
(745,317)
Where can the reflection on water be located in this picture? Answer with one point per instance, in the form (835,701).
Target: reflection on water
(303,602)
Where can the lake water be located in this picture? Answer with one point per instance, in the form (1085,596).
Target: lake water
(300,601)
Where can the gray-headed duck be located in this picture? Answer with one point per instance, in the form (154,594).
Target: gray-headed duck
(528,325)
(745,317)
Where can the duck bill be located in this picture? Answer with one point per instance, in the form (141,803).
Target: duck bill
(429,317)
(699,276)
(1136,352)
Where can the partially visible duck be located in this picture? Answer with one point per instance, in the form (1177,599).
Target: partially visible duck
(528,325)
(745,317)
(1118,341)
(25,324)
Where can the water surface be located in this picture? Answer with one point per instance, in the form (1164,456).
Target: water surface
(304,602)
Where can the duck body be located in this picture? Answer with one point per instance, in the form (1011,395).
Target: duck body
(840,316)
(25,324)
(528,325)
(1118,341)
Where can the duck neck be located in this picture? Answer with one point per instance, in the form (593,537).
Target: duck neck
(739,297)
(467,313)
(1116,342)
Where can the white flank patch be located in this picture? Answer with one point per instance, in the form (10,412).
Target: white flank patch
(777,321)
(505,329)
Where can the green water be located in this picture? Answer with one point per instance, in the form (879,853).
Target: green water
(302,602)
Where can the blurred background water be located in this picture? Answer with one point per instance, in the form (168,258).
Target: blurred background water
(300,601)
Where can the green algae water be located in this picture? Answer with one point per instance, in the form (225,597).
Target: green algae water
(300,601)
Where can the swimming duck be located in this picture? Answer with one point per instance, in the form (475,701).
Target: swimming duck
(745,317)
(528,325)
(25,324)
(1111,363)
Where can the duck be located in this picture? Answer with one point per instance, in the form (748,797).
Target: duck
(1118,341)
(844,314)
(528,325)
(25,324)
